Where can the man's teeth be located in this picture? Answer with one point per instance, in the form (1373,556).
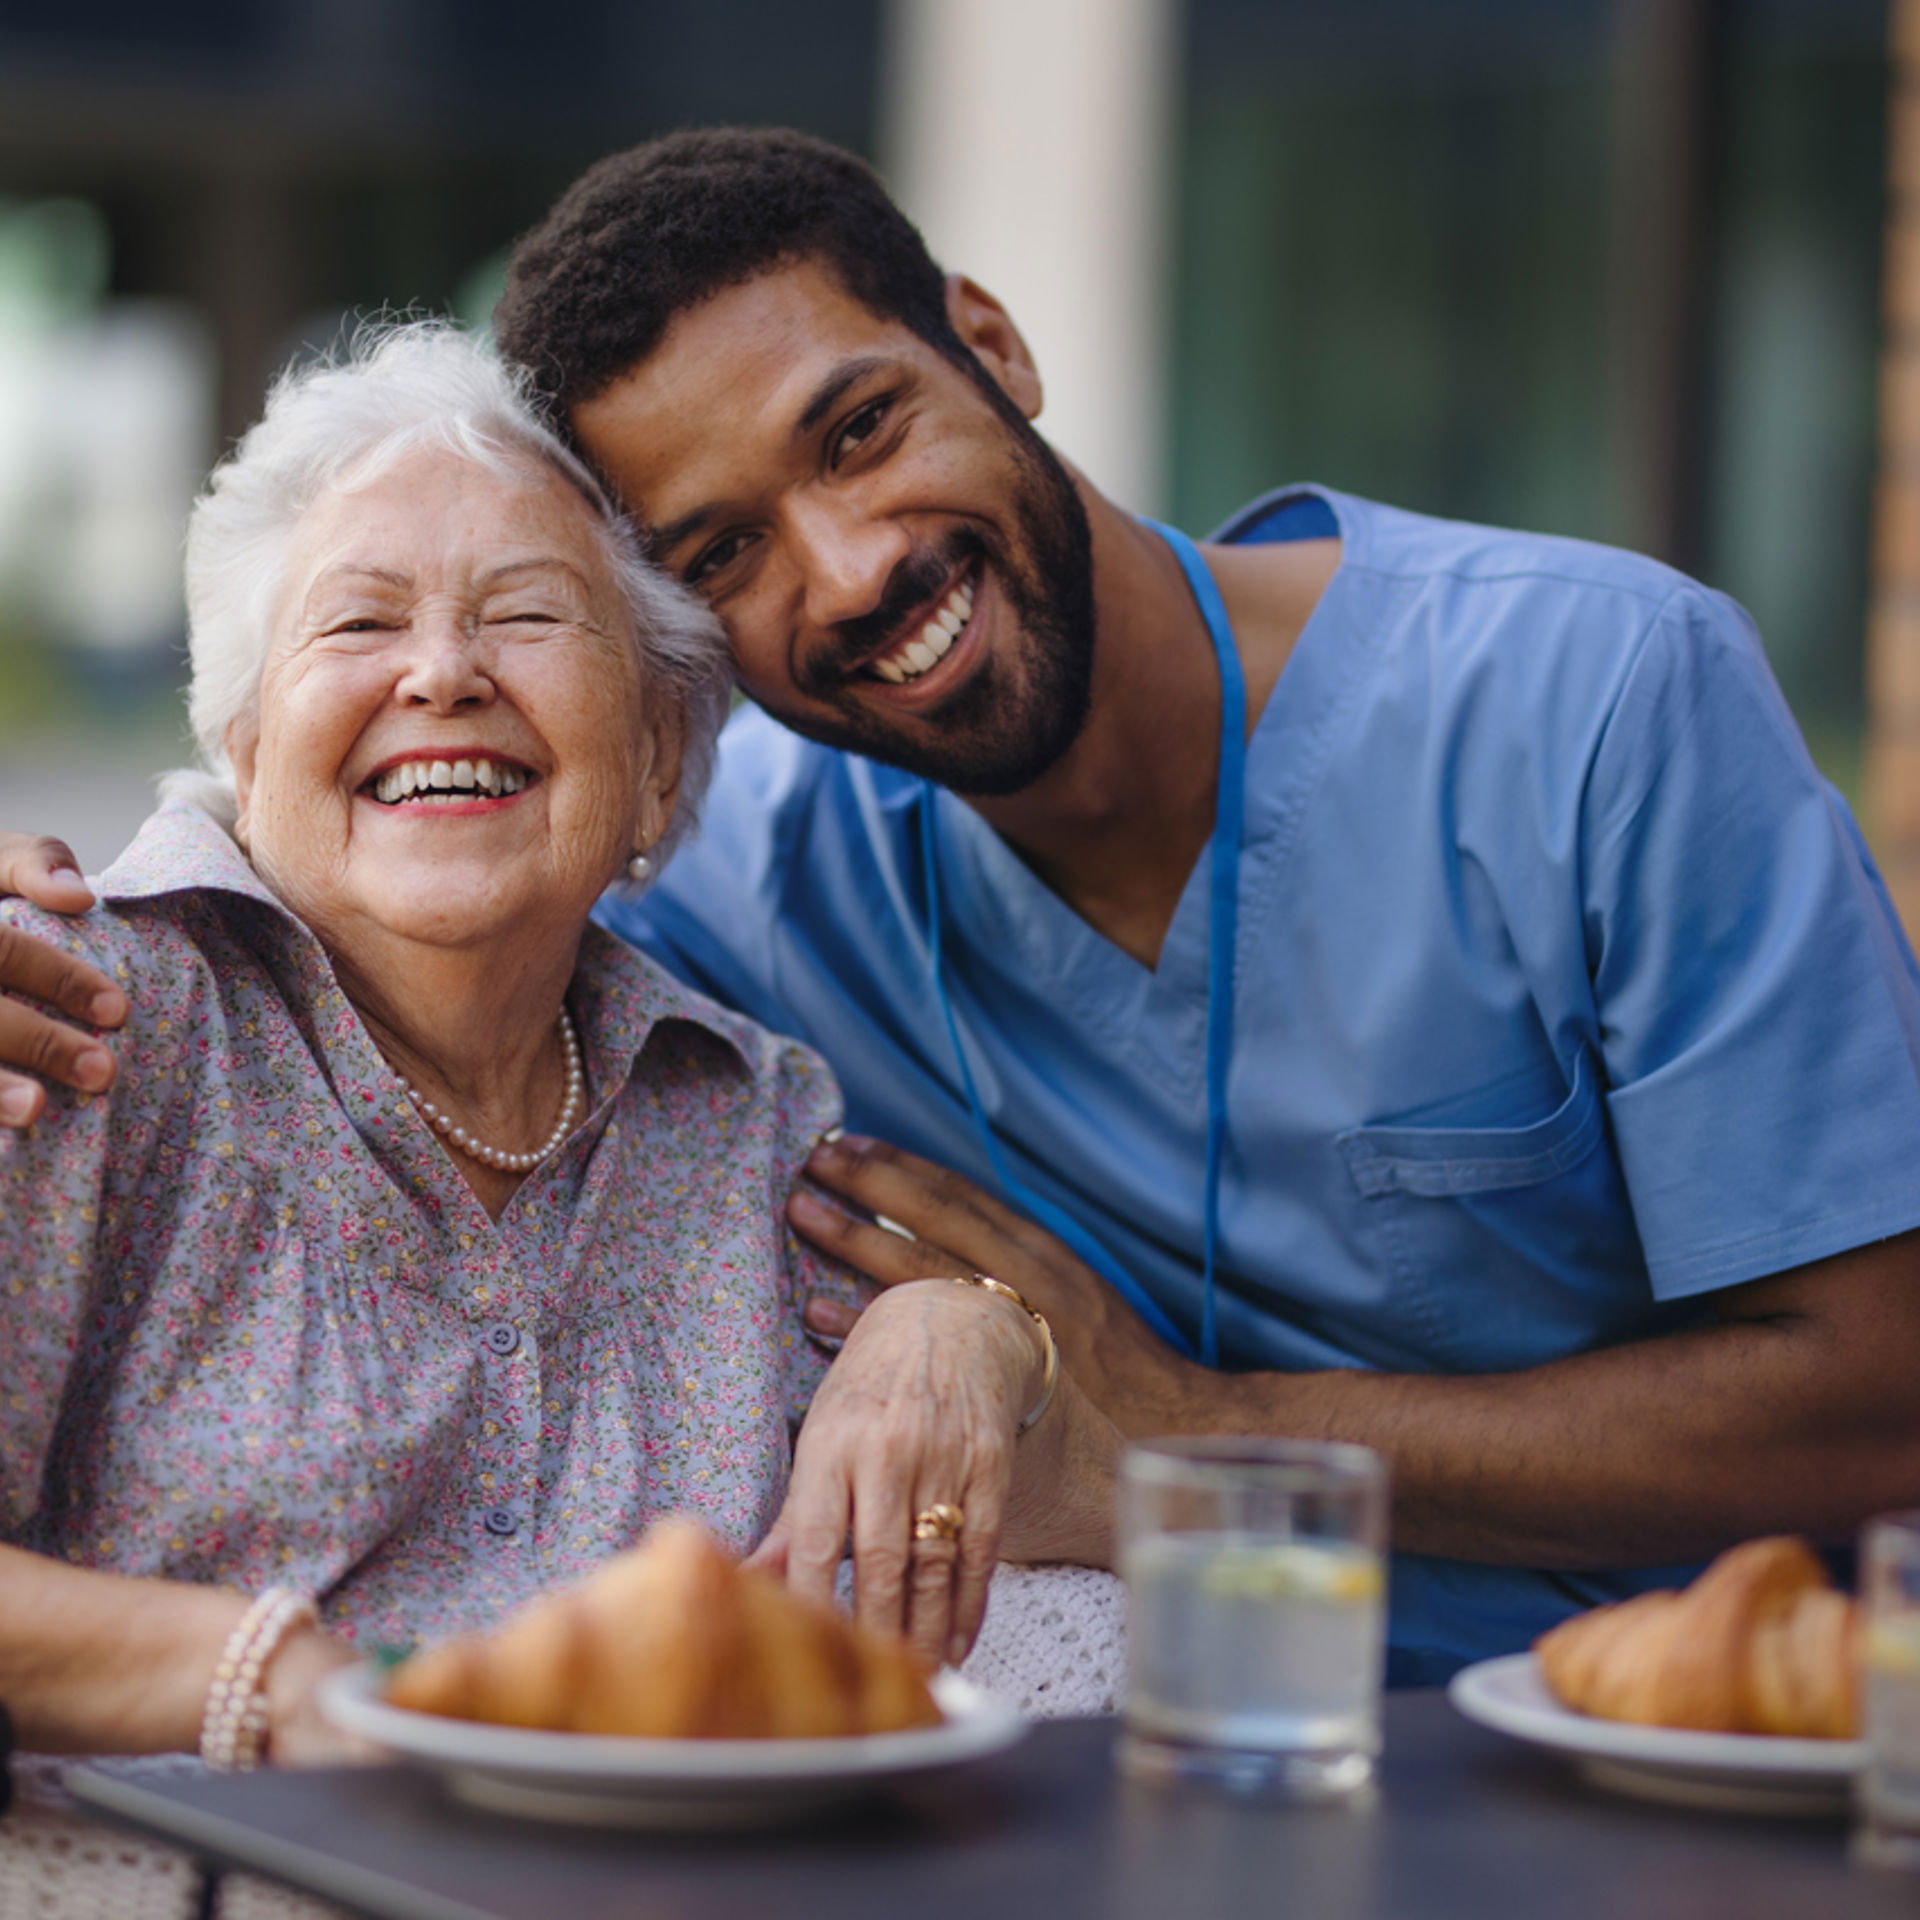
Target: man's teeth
(451,779)
(928,647)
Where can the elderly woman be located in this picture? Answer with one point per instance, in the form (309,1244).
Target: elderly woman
(431,1243)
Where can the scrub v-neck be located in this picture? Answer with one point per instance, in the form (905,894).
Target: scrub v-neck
(1156,1015)
(1219,872)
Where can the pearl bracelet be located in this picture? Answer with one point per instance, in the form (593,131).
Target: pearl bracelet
(233,1729)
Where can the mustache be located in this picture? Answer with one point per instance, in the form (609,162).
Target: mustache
(913,583)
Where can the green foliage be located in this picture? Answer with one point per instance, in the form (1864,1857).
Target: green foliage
(54,259)
(37,687)
(1839,751)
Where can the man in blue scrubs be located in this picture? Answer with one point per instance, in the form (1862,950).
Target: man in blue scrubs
(1569,1141)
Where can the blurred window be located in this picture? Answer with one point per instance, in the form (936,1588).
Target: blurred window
(1398,231)
(106,409)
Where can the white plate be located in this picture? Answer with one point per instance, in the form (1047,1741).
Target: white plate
(1738,1772)
(606,1781)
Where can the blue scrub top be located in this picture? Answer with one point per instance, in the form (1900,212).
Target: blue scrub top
(1565,992)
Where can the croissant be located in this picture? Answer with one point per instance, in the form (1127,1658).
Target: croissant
(673,1640)
(1760,1643)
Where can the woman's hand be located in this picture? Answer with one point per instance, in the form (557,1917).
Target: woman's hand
(297,1735)
(45,872)
(920,1409)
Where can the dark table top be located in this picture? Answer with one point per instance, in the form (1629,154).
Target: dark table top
(1465,1825)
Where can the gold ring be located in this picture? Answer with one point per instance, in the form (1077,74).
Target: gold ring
(941,1521)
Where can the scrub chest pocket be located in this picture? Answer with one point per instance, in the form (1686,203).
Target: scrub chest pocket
(1514,1245)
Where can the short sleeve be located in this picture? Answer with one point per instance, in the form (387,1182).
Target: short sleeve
(60,1186)
(1758,1005)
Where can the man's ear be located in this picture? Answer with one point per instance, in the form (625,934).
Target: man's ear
(243,751)
(986,326)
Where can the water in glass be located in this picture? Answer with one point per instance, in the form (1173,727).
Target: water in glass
(1253,1652)
(1889,1833)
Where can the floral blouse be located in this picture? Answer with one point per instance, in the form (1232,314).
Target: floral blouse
(255,1328)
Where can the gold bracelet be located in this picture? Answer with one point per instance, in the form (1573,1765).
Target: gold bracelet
(1050,1370)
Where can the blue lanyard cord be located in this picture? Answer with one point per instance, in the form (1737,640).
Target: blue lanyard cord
(1055,1219)
(1223,891)
(1223,901)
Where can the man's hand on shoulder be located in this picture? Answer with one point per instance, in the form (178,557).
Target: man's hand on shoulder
(45,872)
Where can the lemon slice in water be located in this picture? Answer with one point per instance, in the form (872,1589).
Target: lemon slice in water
(1893,1648)
(1291,1570)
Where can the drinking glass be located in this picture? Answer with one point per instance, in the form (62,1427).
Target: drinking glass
(1256,1601)
(1887,1798)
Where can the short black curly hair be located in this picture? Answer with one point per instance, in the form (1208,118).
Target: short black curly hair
(643,235)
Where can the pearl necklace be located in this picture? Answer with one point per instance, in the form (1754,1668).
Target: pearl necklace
(495,1156)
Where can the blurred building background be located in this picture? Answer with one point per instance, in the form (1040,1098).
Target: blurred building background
(1604,267)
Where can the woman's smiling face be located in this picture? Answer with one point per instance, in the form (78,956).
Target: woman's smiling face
(452,743)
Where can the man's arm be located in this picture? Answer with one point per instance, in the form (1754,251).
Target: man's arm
(45,872)
(1798,1412)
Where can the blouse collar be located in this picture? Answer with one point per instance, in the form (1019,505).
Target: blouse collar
(618,995)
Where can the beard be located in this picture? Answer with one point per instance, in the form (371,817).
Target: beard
(1021,711)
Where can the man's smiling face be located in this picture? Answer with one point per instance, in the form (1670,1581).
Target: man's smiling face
(903,566)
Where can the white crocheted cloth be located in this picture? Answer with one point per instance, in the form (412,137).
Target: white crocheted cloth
(1055,1640)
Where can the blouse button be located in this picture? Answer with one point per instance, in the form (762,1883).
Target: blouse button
(503,1337)
(501,1522)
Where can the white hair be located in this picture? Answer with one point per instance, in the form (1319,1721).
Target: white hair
(338,424)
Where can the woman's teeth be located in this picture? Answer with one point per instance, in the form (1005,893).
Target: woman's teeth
(929,646)
(447,780)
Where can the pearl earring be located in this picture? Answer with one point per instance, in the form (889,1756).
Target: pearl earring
(639,867)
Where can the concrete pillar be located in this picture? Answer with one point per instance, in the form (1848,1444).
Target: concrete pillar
(1893,639)
(1667,135)
(248,280)
(1031,141)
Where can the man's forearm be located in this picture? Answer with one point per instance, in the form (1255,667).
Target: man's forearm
(1798,1411)
(1666,1449)
(1061,1508)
